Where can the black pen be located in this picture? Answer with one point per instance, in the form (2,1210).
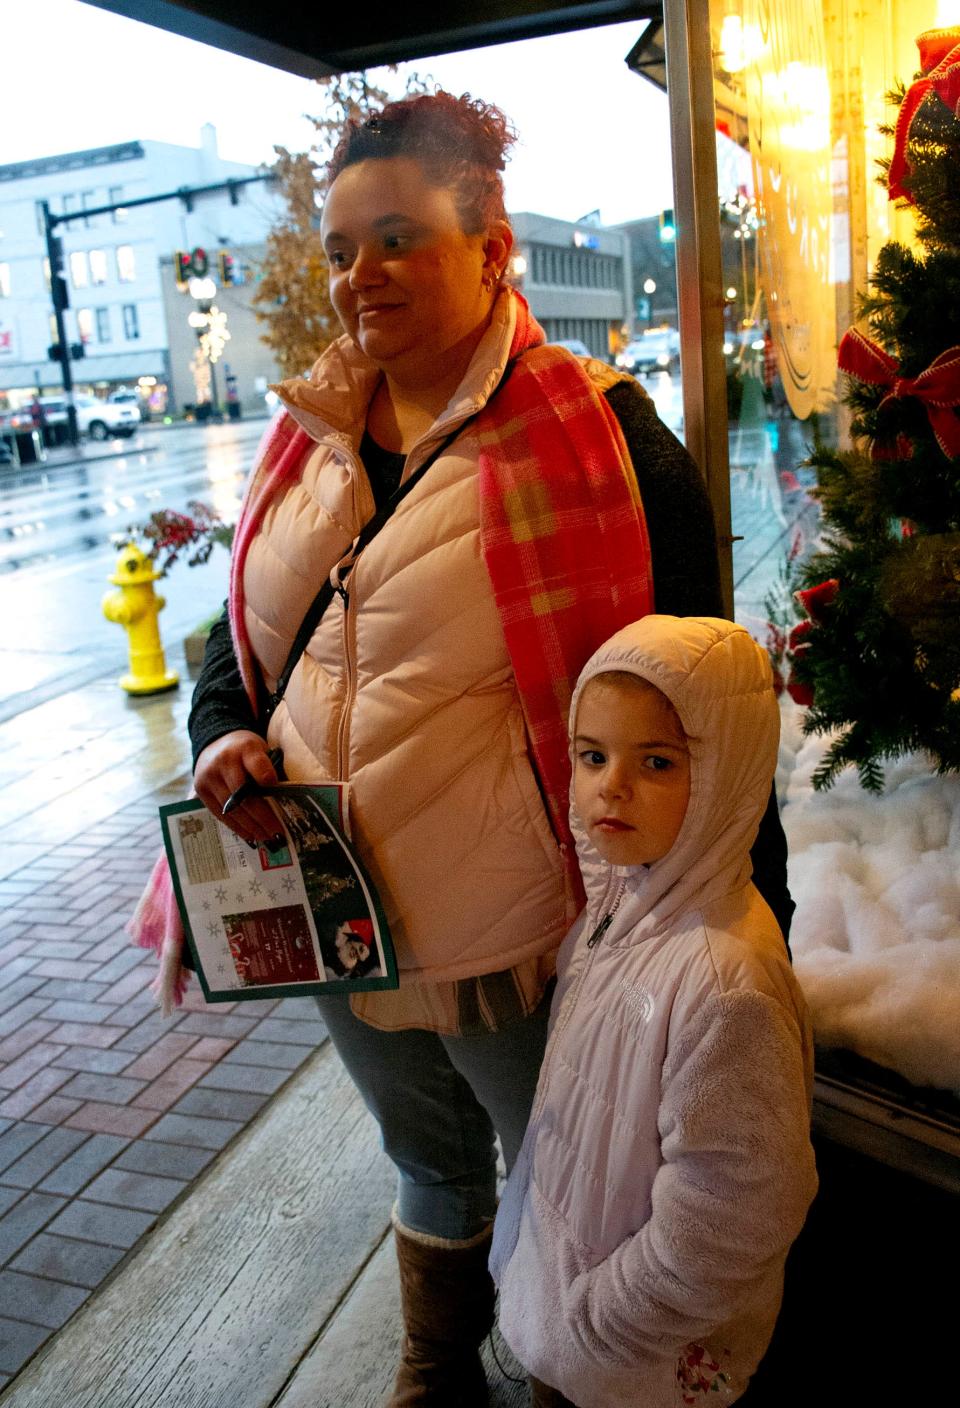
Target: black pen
(249,787)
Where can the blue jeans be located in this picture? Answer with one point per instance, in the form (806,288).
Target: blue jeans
(439,1100)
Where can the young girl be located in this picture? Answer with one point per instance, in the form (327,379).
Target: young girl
(667,1167)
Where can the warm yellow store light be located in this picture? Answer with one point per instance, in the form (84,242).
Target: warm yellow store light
(731,44)
(948,14)
(740,44)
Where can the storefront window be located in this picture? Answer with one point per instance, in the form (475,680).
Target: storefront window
(800,93)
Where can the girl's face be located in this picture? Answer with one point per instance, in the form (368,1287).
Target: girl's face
(631,777)
(405,280)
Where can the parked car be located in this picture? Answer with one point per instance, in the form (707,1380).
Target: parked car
(742,342)
(574,345)
(96,418)
(658,350)
(101,419)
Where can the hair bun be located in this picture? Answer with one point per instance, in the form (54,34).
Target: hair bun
(461,142)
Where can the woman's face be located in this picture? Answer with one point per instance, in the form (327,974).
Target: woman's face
(407,283)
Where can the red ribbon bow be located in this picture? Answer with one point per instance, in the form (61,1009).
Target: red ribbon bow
(938,387)
(940,63)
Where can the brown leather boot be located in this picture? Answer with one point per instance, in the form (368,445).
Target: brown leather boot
(543,1396)
(448,1304)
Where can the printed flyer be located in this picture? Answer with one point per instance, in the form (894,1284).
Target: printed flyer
(299,918)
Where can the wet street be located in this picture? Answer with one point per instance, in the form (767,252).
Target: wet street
(62,524)
(61,528)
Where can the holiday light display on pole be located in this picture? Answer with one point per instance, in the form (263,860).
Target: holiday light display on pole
(210,325)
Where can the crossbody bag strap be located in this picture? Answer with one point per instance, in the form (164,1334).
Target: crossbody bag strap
(366,535)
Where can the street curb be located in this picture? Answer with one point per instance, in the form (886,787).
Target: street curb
(51,463)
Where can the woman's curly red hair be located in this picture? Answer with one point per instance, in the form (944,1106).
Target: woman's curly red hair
(461,143)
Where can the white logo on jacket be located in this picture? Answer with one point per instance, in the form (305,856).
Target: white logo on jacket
(638,998)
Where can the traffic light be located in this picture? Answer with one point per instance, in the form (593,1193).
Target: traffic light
(227,268)
(55,352)
(58,274)
(668,227)
(194,265)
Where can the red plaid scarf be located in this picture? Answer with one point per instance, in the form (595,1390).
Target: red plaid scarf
(565,543)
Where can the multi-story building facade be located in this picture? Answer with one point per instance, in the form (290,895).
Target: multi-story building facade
(130,316)
(114,262)
(577,279)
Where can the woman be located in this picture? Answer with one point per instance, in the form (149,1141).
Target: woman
(438,677)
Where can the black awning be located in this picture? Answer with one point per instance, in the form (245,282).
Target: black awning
(314,42)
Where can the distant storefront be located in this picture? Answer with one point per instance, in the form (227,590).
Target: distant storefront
(577,279)
(116,318)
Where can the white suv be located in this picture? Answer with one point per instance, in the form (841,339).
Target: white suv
(101,419)
(96,418)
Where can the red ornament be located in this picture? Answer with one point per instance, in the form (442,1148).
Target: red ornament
(901,449)
(940,63)
(815,601)
(798,637)
(938,387)
(799,692)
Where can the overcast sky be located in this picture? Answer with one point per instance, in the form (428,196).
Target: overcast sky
(592,133)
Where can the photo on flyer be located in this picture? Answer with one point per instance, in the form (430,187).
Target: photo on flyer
(295,918)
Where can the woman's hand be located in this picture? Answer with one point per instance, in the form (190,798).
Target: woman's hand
(227,764)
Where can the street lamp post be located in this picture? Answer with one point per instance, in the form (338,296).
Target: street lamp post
(61,299)
(210,326)
(649,289)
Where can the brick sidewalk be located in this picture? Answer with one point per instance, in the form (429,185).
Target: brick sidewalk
(107,1111)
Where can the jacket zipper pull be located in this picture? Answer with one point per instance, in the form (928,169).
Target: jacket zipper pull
(606,921)
(600,930)
(341,592)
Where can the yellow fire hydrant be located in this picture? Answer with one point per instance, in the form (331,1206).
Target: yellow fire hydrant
(136,606)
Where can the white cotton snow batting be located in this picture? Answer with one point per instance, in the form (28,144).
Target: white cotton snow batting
(876,935)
